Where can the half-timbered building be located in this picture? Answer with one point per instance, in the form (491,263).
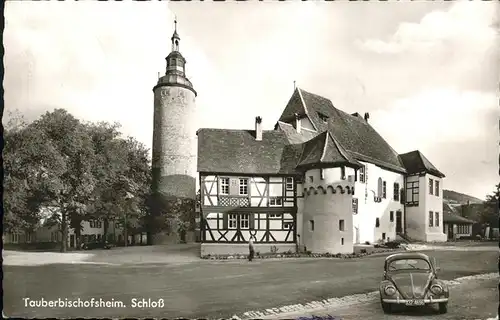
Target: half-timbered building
(321,181)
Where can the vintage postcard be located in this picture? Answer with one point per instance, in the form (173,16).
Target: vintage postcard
(251,159)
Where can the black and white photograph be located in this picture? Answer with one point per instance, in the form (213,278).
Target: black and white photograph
(251,160)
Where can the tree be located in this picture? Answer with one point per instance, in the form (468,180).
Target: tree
(30,162)
(170,214)
(81,171)
(490,214)
(71,180)
(122,174)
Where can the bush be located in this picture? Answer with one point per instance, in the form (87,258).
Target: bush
(290,254)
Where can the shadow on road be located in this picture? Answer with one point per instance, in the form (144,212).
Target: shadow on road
(425,311)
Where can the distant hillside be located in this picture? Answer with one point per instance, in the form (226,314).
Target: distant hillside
(457,198)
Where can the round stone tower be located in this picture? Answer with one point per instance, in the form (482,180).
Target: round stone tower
(174,137)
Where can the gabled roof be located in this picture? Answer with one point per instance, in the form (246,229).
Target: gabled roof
(351,131)
(325,150)
(456,219)
(294,106)
(416,162)
(292,135)
(238,152)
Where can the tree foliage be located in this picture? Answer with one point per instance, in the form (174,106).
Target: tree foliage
(490,214)
(30,162)
(122,173)
(172,214)
(82,170)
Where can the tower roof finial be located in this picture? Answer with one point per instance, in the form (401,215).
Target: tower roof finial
(175,35)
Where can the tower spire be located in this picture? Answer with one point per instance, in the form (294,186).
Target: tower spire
(175,37)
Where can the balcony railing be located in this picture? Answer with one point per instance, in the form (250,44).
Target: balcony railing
(229,201)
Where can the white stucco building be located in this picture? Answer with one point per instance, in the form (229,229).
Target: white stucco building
(340,183)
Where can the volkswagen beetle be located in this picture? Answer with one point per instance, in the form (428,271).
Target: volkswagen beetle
(410,279)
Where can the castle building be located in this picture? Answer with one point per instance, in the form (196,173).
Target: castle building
(174,133)
(321,181)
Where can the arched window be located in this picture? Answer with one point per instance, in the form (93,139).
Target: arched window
(379,188)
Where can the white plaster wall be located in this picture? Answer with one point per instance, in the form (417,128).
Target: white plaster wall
(418,217)
(435,204)
(326,210)
(300,215)
(369,210)
(415,216)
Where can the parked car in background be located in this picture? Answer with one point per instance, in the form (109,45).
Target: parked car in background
(410,279)
(95,244)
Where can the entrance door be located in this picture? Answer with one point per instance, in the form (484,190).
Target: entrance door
(450,231)
(399,222)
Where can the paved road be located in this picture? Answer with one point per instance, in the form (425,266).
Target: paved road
(203,288)
(473,299)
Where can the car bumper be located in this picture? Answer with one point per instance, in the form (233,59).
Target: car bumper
(404,301)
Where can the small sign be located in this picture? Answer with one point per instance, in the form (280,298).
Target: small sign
(415,302)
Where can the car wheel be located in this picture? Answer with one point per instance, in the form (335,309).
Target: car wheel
(443,307)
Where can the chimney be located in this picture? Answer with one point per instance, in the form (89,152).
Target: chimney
(298,125)
(367,116)
(258,128)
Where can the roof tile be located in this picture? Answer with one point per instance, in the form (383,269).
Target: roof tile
(325,150)
(355,134)
(237,151)
(416,162)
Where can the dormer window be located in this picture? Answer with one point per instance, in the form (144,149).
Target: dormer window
(323,117)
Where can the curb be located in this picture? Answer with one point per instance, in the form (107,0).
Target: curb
(294,310)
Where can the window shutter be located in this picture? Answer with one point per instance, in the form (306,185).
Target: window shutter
(402,197)
(252,221)
(224,220)
(234,186)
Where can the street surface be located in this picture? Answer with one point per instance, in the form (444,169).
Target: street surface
(473,299)
(194,288)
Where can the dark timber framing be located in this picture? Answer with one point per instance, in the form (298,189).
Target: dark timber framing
(413,191)
(259,219)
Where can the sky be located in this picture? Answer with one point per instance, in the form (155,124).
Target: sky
(427,72)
